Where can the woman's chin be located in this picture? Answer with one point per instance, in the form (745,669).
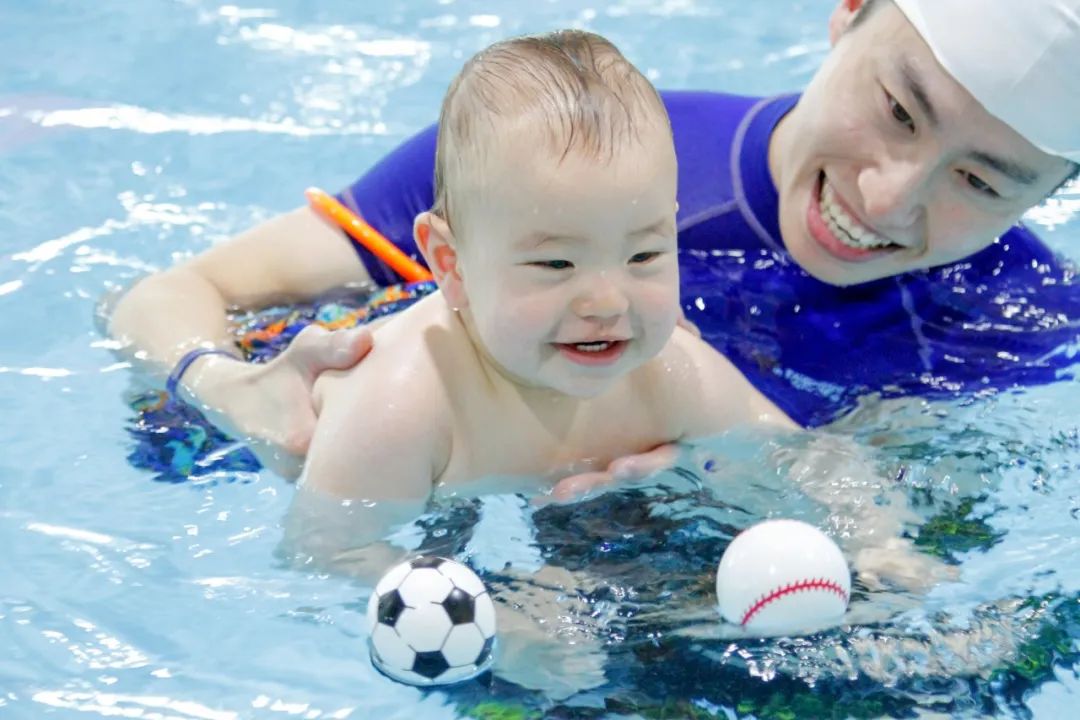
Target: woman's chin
(822,265)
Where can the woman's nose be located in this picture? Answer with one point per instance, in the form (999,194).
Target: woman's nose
(894,193)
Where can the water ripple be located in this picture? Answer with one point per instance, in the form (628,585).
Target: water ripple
(151,122)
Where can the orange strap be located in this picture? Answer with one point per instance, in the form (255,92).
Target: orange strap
(329,207)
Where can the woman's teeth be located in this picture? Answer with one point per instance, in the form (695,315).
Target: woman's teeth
(844,227)
(593,346)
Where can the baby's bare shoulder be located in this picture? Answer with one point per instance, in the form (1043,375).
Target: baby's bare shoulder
(686,358)
(705,389)
(401,371)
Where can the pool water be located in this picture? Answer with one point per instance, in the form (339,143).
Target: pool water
(133,134)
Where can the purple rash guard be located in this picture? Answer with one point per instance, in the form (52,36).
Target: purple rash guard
(1004,317)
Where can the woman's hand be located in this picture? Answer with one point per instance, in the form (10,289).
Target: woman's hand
(270,405)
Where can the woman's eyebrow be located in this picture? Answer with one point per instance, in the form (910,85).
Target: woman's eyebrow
(1012,170)
(917,90)
(1009,168)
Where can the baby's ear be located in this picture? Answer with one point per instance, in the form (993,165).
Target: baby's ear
(842,16)
(436,241)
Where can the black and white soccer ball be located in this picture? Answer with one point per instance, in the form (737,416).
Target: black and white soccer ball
(431,621)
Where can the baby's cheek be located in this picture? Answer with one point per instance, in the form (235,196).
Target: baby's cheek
(657,324)
(519,321)
(661,304)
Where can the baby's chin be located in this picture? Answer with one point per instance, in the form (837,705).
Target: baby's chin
(556,374)
(588,388)
(547,380)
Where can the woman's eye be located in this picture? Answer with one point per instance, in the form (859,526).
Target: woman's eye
(553,264)
(900,114)
(644,257)
(980,185)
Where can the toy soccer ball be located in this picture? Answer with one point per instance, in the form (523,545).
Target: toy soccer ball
(431,621)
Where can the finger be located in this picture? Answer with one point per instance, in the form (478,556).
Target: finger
(577,487)
(316,349)
(352,345)
(635,467)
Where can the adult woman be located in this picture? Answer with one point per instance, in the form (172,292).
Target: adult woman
(907,151)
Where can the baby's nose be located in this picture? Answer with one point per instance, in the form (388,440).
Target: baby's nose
(601,298)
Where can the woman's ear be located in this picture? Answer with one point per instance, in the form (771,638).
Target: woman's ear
(436,242)
(842,15)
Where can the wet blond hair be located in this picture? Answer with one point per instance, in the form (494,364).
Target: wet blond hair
(573,88)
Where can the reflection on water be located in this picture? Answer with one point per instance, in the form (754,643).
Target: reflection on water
(609,602)
(626,579)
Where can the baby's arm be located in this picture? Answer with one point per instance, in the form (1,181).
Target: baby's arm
(375,438)
(698,393)
(366,472)
(709,395)
(869,511)
(834,471)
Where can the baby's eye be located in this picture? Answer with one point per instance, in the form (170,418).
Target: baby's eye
(642,258)
(979,185)
(900,114)
(553,264)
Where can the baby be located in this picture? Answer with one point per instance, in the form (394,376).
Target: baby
(551,347)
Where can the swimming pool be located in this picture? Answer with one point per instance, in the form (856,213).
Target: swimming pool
(135,133)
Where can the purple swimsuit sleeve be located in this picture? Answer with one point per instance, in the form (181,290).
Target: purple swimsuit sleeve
(391,194)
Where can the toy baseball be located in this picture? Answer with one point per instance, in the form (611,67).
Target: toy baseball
(782,577)
(431,621)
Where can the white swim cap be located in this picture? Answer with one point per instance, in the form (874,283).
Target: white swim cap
(1019,58)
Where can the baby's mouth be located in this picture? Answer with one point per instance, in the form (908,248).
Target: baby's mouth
(593,347)
(595,352)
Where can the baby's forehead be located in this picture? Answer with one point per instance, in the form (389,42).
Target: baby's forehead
(536,190)
(534,141)
(521,156)
(545,130)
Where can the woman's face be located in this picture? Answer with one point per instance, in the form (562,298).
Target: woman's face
(887,164)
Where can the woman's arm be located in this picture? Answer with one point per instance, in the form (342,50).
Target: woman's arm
(293,257)
(296,256)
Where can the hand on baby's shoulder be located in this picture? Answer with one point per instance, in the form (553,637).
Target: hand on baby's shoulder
(271,405)
(383,426)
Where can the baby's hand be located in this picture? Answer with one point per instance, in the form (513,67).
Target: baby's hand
(577,487)
(271,405)
(898,564)
(624,470)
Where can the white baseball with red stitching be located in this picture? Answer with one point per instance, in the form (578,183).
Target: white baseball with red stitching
(782,577)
